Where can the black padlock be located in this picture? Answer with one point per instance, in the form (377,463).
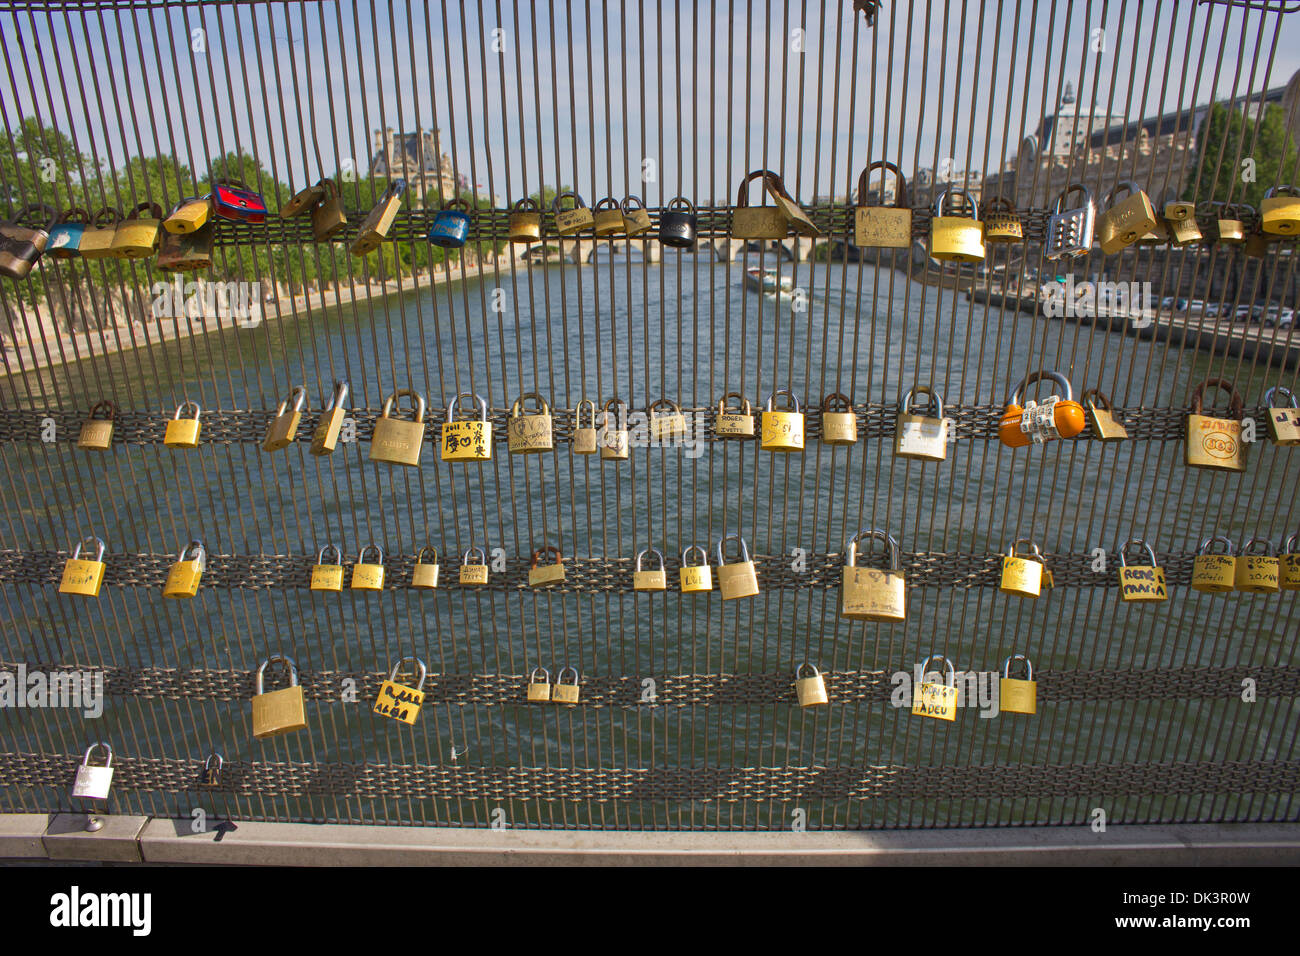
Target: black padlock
(677,224)
(21,245)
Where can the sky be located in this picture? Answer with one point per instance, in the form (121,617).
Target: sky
(650,97)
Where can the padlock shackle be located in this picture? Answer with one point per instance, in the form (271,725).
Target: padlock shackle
(1204,546)
(609,202)
(207,764)
(339,396)
(453,407)
(51,218)
(104,404)
(998,202)
(338,554)
(526,205)
(798,671)
(1073,187)
(99,549)
(184,405)
(457,204)
(532,676)
(941,202)
(742,402)
(771,181)
(616,401)
(1251,546)
(627,200)
(419,555)
(934,401)
(646,551)
(108,760)
(577,413)
(516,410)
(547,549)
(395,188)
(1280,390)
(559,678)
(788,394)
(1234,399)
(1006,666)
(1013,553)
(837,398)
(570,194)
(1017,397)
(297,395)
(361,556)
(677,202)
(107,216)
(1281,189)
(1131,542)
(744,548)
(474,549)
(1128,185)
(952,671)
(418,403)
(1292,543)
(901,200)
(200,553)
(659,403)
(155,211)
(1099,399)
(875,534)
(686,561)
(67,214)
(259,682)
(421,671)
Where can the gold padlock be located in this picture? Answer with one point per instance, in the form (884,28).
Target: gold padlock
(1157,235)
(326,436)
(956,238)
(97,433)
(328,217)
(1289,564)
(1001,221)
(190,215)
(739,424)
(303,200)
(1101,416)
(84,576)
(1258,569)
(636,218)
(328,575)
(137,236)
(368,575)
(1141,582)
(1022,576)
(566,692)
(425,573)
(794,213)
(922,437)
(608,217)
(185,252)
(931,699)
(811,691)
(468,440)
(668,425)
(1121,224)
(540,575)
(1180,218)
(1214,442)
(1279,213)
(1257,245)
(615,442)
(398,442)
(1229,226)
(1016,695)
(1283,420)
(739,579)
(525,221)
(283,429)
(374,228)
(574,220)
(280,711)
(473,574)
(883,227)
(867,594)
(757,222)
(782,430)
(695,578)
(584,437)
(539,691)
(402,701)
(183,432)
(184,576)
(529,434)
(839,421)
(1214,572)
(653,580)
(97,238)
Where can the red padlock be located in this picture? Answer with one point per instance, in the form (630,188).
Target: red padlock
(1067,417)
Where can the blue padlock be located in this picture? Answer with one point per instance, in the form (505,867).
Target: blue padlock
(231,199)
(450,226)
(65,237)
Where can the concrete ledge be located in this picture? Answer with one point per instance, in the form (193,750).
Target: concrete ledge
(66,838)
(20,835)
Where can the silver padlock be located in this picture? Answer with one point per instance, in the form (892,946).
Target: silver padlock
(93,782)
(1069,231)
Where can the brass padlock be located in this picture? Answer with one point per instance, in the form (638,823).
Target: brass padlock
(668,425)
(539,691)
(97,433)
(883,227)
(1180,219)
(956,238)
(794,213)
(211,776)
(425,573)
(1070,230)
(636,218)
(328,217)
(65,237)
(867,594)
(607,217)
(782,430)
(468,440)
(529,434)
(1214,442)
(923,437)
(525,221)
(328,575)
(739,579)
(757,222)
(1157,235)
(183,432)
(473,574)
(1016,695)
(93,782)
(584,436)
(695,578)
(738,424)
(397,442)
(23,243)
(566,692)
(84,576)
(615,442)
(1258,569)
(326,436)
(1289,564)
(1214,572)
(190,215)
(1283,420)
(931,699)
(1101,416)
(97,238)
(402,701)
(1123,223)
(185,252)
(374,228)
(283,429)
(279,711)
(653,580)
(1279,213)
(570,221)
(811,691)
(1257,245)
(184,576)
(839,420)
(1230,225)
(1021,575)
(1141,582)
(1025,422)
(303,200)
(368,575)
(1001,221)
(539,574)
(137,237)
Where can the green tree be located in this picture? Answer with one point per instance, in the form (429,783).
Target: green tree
(43,166)
(1226,135)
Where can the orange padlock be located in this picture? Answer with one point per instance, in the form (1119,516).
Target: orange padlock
(1034,422)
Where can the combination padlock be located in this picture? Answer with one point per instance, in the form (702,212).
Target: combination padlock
(1018,695)
(529,434)
(368,575)
(283,429)
(584,436)
(678,224)
(397,442)
(695,578)
(1258,569)
(473,573)
(425,573)
(737,424)
(1037,422)
(655,579)
(782,429)
(326,436)
(450,227)
(1214,571)
(1141,582)
(810,690)
(402,702)
(934,699)
(97,433)
(280,711)
(1101,416)
(883,227)
(839,420)
(918,436)
(541,574)
(868,594)
(183,432)
(740,578)
(469,439)
(327,575)
(1070,230)
(184,576)
(956,238)
(84,576)
(1212,441)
